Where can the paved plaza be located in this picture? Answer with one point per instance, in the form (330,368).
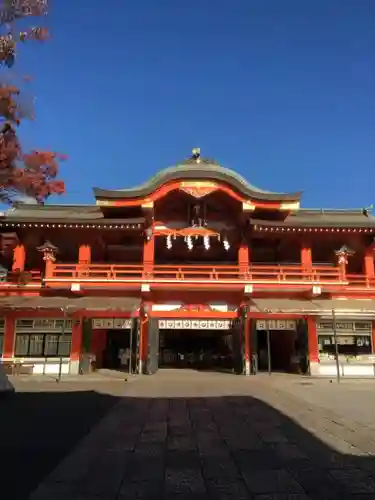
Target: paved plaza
(42,423)
(180,435)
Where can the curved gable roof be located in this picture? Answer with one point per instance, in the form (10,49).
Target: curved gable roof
(196,169)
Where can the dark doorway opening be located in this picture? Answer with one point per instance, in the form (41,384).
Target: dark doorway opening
(277,353)
(208,350)
(118,342)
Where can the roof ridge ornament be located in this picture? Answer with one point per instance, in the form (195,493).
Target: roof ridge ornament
(196,154)
(367,210)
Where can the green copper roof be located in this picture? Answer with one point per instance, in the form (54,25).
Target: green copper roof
(196,169)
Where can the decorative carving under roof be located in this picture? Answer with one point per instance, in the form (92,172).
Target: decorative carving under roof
(202,161)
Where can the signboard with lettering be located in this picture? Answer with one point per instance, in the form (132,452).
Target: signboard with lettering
(345,326)
(276,324)
(111,323)
(195,324)
(43,324)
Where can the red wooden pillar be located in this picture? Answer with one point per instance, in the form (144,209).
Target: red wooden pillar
(243,257)
(373,337)
(84,259)
(306,256)
(247,346)
(84,254)
(149,254)
(19,258)
(369,267)
(9,336)
(76,348)
(313,342)
(143,341)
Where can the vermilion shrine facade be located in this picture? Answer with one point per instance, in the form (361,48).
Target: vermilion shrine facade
(195,268)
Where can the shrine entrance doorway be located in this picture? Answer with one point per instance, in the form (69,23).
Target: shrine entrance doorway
(278,346)
(117,341)
(204,345)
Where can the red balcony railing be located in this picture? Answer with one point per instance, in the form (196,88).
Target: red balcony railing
(136,273)
(360,281)
(253,273)
(96,272)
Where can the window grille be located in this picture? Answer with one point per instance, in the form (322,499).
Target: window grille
(51,345)
(347,345)
(43,345)
(36,345)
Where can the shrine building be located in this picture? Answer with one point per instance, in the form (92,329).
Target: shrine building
(196,268)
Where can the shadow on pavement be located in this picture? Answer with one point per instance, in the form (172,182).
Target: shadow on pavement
(38,429)
(231,447)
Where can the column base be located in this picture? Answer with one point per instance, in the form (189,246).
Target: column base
(314,368)
(74,367)
(140,367)
(247,368)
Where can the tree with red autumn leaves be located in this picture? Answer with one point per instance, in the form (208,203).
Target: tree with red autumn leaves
(34,174)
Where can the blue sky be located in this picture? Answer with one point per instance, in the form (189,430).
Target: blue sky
(283,91)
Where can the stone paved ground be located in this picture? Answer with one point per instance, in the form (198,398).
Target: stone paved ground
(202,436)
(347,398)
(42,423)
